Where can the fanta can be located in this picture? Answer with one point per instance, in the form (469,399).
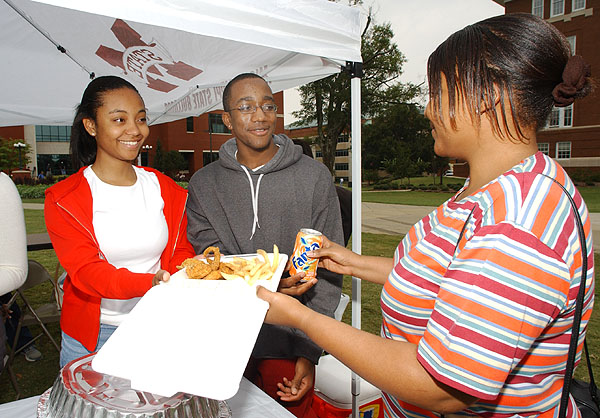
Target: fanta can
(306,240)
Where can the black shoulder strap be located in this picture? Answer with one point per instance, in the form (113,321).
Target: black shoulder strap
(564,400)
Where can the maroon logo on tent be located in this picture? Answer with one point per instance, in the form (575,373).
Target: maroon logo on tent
(150,62)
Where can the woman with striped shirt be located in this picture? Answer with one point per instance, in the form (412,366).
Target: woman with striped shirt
(478,299)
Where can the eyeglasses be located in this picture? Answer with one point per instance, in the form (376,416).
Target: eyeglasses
(247,109)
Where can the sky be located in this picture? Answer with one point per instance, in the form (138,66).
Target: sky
(419,27)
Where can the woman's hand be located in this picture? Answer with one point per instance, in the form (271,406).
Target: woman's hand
(283,309)
(335,258)
(160,276)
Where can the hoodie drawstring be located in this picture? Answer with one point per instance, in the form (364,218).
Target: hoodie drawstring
(254,199)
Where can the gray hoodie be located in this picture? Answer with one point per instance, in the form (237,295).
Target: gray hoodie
(290,192)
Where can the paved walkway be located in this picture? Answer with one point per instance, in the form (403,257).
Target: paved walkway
(382,218)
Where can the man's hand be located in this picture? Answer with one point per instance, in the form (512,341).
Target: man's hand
(294,390)
(292,286)
(5,312)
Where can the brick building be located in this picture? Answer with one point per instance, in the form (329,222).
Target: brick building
(194,138)
(343,153)
(572,135)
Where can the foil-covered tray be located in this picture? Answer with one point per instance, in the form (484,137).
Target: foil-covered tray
(79,391)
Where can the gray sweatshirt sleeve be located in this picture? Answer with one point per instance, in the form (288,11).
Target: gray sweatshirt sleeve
(201,233)
(324,297)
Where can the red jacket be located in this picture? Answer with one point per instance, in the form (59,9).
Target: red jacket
(68,213)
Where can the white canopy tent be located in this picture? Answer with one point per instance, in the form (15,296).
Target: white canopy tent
(179,54)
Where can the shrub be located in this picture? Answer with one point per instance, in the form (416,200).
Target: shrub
(32,192)
(396,184)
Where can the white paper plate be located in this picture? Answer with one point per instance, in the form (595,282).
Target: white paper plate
(181,278)
(192,336)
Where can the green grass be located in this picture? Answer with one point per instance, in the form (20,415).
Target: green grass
(34,221)
(591,195)
(399,197)
(35,378)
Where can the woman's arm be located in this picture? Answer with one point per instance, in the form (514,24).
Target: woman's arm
(13,245)
(78,253)
(341,260)
(390,365)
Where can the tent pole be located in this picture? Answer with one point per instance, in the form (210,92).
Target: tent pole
(355,69)
(48,37)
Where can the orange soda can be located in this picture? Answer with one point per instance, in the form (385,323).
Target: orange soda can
(306,240)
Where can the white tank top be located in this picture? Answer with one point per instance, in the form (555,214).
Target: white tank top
(131,230)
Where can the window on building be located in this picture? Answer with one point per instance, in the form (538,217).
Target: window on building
(189,124)
(561,117)
(544,147)
(341,152)
(341,166)
(563,150)
(46,133)
(578,5)
(53,164)
(557,7)
(343,138)
(537,8)
(318,154)
(571,40)
(207,158)
(216,124)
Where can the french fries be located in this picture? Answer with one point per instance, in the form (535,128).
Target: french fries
(249,269)
(254,269)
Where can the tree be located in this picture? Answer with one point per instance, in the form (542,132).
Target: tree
(9,154)
(398,139)
(327,101)
(168,162)
(159,156)
(173,162)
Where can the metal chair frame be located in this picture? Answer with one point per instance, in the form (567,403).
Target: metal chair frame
(45,314)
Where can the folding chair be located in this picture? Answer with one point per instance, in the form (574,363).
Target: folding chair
(44,314)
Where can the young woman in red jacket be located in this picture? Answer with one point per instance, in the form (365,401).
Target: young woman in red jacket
(117,229)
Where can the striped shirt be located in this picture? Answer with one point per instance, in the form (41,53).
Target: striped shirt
(486,288)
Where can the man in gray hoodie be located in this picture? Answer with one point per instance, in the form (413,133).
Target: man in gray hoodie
(261,192)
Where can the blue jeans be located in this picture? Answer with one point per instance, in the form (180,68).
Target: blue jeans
(71,349)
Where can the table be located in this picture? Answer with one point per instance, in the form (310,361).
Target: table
(248,402)
(36,242)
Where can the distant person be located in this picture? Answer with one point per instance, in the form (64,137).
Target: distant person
(478,300)
(262,191)
(117,229)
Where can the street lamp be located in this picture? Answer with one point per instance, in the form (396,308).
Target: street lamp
(146,148)
(18,146)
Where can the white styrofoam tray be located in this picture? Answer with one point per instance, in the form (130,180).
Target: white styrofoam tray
(192,336)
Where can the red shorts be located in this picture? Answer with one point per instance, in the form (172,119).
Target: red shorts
(266,373)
